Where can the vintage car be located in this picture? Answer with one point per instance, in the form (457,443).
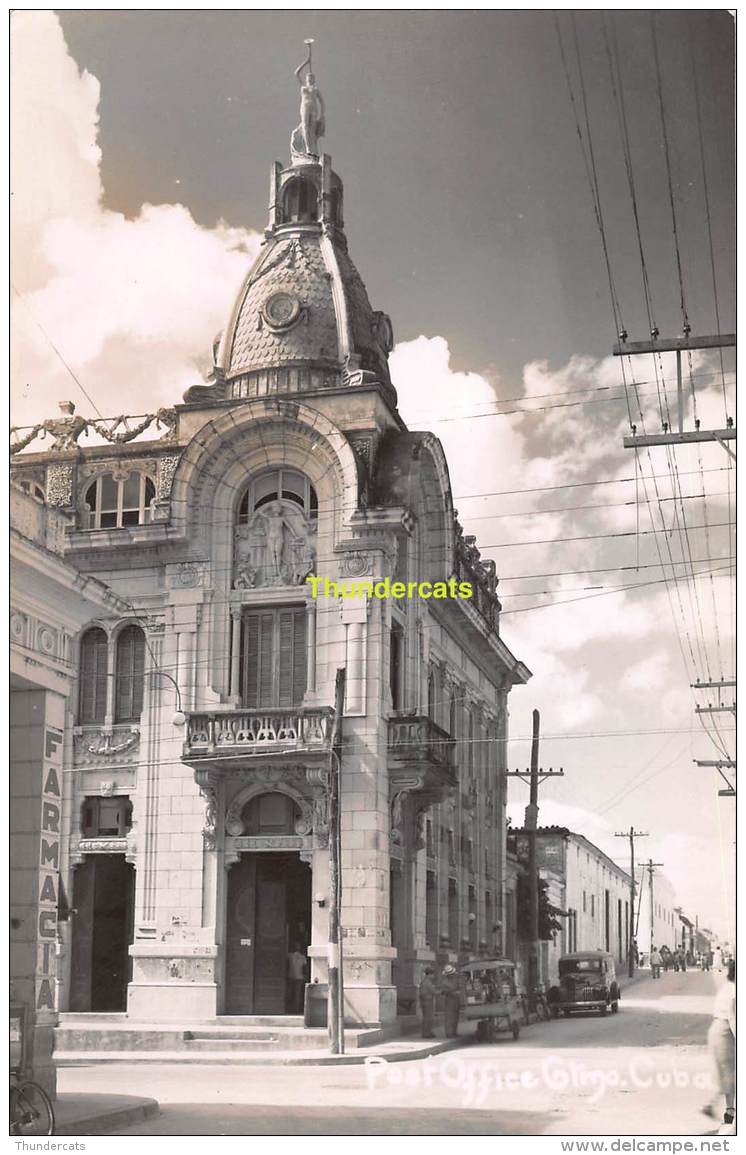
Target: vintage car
(587,982)
(491,998)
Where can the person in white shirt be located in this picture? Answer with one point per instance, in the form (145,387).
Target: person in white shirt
(721,1039)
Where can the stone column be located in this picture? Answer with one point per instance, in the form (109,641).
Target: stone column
(174,950)
(311,644)
(235,691)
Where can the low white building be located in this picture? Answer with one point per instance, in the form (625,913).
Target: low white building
(591,890)
(657,919)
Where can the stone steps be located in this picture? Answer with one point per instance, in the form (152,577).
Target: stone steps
(92,1038)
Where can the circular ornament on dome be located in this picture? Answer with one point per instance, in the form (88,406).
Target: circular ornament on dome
(281,310)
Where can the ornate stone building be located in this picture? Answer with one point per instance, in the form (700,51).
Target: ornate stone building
(196,849)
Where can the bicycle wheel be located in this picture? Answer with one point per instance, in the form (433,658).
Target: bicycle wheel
(31,1111)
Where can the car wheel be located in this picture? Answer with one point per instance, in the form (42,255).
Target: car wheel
(566,1013)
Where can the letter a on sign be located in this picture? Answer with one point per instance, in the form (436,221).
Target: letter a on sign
(48,893)
(52,785)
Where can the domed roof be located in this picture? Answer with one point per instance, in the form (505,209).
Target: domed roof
(302,320)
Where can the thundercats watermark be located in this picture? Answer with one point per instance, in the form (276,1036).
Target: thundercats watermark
(327,588)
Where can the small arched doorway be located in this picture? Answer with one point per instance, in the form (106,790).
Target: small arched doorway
(268,912)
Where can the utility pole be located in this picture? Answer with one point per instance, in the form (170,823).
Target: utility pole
(658,344)
(720,707)
(650,867)
(531,823)
(687,343)
(335,1012)
(631,834)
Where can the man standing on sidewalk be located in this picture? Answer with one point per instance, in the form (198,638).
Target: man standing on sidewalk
(452,991)
(428,992)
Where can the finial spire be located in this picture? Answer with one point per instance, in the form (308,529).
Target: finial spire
(304,142)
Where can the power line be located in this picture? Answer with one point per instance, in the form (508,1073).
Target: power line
(578,484)
(593,537)
(52,345)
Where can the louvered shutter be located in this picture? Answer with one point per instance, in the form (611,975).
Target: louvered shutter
(299,657)
(292,657)
(257,660)
(130,670)
(93,662)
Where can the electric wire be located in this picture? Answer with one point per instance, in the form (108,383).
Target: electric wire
(54,348)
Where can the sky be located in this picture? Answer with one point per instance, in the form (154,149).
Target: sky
(141,145)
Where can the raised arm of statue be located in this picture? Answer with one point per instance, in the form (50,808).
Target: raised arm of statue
(306,64)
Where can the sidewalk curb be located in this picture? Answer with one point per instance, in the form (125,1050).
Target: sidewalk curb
(262,1059)
(83,1118)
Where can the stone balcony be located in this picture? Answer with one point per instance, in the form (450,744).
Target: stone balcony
(421,760)
(233,739)
(416,740)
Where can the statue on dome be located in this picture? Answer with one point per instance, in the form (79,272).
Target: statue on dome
(304,143)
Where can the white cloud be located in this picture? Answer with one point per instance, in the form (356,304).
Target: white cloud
(132,304)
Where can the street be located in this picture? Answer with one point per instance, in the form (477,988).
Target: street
(643,1071)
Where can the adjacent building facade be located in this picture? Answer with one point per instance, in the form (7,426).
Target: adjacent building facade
(591,891)
(200,679)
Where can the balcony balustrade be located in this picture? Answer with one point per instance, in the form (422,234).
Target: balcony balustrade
(415,738)
(236,735)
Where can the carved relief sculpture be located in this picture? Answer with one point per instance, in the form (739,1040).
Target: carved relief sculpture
(276,547)
(60,485)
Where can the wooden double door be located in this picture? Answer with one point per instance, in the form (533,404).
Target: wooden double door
(268,915)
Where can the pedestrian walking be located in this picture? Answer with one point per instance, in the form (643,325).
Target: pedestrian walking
(681,959)
(665,958)
(428,993)
(655,962)
(451,988)
(707,960)
(721,1040)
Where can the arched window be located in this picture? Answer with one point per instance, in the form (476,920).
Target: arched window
(130,675)
(288,484)
(94,647)
(114,503)
(299,202)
